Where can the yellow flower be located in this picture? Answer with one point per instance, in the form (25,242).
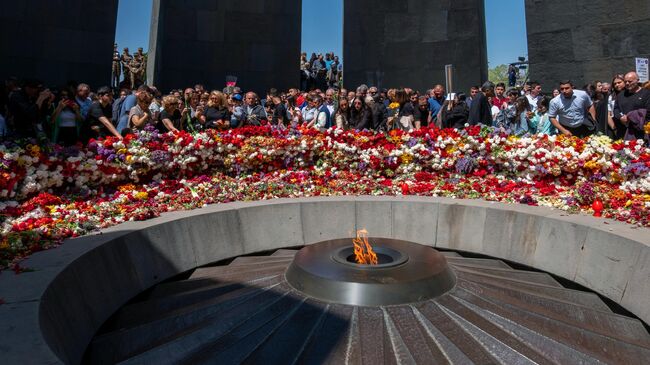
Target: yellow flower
(34,150)
(592,165)
(129,158)
(646,128)
(393,105)
(406,158)
(126,188)
(142,195)
(616,177)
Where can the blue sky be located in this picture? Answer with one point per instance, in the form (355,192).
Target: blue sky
(323,30)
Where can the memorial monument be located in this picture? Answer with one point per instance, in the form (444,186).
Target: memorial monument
(408,43)
(585,40)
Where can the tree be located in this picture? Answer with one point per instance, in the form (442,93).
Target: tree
(498,74)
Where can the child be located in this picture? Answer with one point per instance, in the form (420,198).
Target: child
(541,121)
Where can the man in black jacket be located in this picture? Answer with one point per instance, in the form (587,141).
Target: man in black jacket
(480,110)
(633,98)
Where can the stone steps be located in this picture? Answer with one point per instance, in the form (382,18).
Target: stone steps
(246,313)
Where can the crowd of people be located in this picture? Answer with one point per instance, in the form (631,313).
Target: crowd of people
(76,114)
(320,72)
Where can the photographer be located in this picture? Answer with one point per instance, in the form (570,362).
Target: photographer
(66,120)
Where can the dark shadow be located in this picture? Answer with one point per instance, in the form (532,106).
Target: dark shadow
(228,312)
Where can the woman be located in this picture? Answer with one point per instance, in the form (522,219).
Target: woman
(618,86)
(360,117)
(403,119)
(66,121)
(342,116)
(293,110)
(556,92)
(454,112)
(505,118)
(217,115)
(171,118)
(139,115)
(521,124)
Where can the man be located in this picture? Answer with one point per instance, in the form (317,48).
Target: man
(115,67)
(568,111)
(436,99)
(499,95)
(629,106)
(378,110)
(421,115)
(280,114)
(535,95)
(512,75)
(98,122)
(125,60)
(323,117)
(362,91)
(473,91)
(329,101)
(481,111)
(254,112)
(82,98)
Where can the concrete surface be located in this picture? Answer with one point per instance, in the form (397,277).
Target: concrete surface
(58,41)
(396,44)
(51,313)
(585,40)
(203,41)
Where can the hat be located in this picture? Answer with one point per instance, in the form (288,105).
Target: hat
(237,97)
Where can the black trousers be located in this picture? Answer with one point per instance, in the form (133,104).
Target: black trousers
(581,131)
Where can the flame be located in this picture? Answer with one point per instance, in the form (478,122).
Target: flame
(363,250)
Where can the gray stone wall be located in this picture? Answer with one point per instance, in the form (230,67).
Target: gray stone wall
(58,40)
(202,41)
(585,40)
(407,43)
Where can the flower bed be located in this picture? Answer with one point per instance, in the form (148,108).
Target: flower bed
(47,196)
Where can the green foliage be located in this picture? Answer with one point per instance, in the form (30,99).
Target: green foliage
(498,74)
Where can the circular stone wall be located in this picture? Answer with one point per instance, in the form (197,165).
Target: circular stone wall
(51,314)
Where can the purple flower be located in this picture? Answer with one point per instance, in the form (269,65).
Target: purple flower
(412,142)
(465,165)
(160,157)
(586,193)
(541,170)
(638,169)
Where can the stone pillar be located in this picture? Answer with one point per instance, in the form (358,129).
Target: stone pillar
(203,41)
(58,41)
(390,43)
(585,40)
